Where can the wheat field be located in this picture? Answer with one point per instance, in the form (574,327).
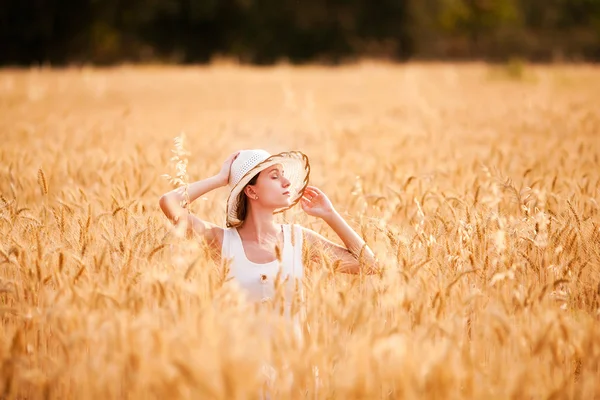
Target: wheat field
(476,186)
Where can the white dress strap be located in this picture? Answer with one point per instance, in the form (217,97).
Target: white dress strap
(293,249)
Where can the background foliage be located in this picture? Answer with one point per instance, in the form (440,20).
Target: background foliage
(267,31)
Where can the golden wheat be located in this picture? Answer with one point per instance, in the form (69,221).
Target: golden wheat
(478,193)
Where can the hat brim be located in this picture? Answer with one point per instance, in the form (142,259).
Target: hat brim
(296,169)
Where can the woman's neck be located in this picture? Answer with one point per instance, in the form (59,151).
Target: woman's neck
(260,227)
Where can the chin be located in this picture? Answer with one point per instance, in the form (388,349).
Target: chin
(285,203)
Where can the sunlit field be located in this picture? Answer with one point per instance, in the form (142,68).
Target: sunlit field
(477,187)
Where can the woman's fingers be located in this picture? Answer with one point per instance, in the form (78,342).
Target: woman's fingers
(306,201)
(310,190)
(233,156)
(309,196)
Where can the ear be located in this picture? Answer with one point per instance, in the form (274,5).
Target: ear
(249,191)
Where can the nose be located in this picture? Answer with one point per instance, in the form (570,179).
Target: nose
(286,182)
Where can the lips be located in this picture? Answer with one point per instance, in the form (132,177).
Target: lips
(286,193)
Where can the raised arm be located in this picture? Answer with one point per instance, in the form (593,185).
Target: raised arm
(173,204)
(356,257)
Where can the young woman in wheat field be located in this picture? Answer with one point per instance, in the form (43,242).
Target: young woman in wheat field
(256,248)
(254,245)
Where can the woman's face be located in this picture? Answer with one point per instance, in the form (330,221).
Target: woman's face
(271,188)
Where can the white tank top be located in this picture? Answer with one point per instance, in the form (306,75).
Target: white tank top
(257,280)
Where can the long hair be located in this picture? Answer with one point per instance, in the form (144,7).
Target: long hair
(242,210)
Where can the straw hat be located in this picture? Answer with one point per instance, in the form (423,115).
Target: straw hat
(250,162)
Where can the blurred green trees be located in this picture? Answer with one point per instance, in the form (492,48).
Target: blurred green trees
(266,31)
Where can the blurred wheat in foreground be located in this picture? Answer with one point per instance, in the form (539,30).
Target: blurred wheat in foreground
(477,190)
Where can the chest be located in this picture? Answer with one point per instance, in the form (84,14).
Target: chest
(260,269)
(262,265)
(262,253)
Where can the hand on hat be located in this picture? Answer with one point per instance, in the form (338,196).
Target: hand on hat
(223,175)
(315,203)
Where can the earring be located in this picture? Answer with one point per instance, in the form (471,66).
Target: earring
(255,197)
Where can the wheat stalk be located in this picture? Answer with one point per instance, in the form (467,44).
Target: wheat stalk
(42,182)
(180,160)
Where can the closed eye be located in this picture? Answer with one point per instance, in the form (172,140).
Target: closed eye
(276,174)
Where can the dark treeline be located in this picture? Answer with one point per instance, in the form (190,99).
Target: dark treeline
(265,31)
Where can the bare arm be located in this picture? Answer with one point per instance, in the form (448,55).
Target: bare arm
(356,257)
(173,204)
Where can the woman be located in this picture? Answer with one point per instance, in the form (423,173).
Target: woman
(260,186)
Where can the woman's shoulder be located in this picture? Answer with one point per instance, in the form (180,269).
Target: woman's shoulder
(216,236)
(300,229)
(227,232)
(294,227)
(306,235)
